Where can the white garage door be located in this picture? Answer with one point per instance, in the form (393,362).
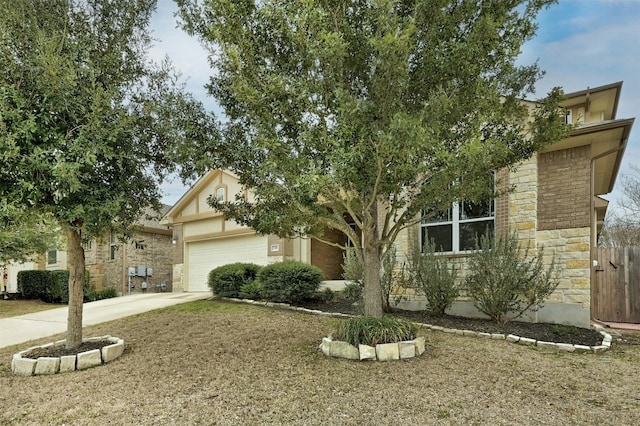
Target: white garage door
(203,256)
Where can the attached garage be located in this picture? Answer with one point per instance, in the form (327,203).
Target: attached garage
(203,256)
(203,239)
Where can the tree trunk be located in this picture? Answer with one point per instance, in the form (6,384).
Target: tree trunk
(371,265)
(75,262)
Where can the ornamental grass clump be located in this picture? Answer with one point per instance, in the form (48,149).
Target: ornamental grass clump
(372,331)
(505,282)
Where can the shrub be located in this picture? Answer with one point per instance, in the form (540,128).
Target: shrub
(227,280)
(58,291)
(289,281)
(251,290)
(371,331)
(33,284)
(48,286)
(388,277)
(505,284)
(353,272)
(352,267)
(327,295)
(352,291)
(93,295)
(433,275)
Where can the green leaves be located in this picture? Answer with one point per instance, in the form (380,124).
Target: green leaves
(88,126)
(337,107)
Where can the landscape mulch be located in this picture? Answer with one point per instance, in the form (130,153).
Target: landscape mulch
(538,331)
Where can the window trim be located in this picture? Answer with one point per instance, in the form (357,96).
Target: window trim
(52,260)
(455,221)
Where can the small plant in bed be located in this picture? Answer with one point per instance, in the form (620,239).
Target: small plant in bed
(372,331)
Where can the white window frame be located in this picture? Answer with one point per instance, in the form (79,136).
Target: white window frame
(455,221)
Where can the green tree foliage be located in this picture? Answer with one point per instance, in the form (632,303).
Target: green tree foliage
(87,122)
(23,234)
(365,111)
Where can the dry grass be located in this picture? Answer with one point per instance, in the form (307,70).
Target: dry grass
(231,364)
(12,308)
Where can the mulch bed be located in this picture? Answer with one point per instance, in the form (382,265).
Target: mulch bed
(60,351)
(539,331)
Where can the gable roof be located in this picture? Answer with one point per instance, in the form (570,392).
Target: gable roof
(193,192)
(607,137)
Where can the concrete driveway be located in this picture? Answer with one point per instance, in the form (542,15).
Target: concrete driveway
(20,329)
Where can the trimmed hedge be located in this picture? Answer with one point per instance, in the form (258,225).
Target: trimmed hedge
(48,286)
(33,284)
(289,281)
(228,280)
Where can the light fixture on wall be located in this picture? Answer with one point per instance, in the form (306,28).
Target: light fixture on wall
(174,240)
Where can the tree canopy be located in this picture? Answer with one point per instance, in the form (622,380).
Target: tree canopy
(368,112)
(88,124)
(24,234)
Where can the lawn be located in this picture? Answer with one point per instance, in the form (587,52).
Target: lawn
(223,363)
(12,308)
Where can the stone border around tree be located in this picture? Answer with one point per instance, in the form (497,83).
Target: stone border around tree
(23,366)
(381,352)
(564,347)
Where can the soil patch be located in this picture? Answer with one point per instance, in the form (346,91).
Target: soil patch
(539,331)
(60,351)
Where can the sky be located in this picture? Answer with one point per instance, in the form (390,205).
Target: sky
(579,44)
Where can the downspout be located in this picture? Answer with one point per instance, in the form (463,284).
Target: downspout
(593,217)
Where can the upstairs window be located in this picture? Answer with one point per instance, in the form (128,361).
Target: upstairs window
(52,257)
(220,195)
(113,246)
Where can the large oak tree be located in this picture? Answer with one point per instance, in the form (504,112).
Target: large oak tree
(88,124)
(368,111)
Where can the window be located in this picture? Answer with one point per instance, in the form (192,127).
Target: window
(220,195)
(456,229)
(52,257)
(113,247)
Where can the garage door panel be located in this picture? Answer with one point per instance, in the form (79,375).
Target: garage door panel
(203,256)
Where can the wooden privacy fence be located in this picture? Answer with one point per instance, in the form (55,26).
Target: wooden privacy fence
(616,293)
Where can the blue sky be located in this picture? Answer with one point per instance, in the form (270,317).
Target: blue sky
(580,44)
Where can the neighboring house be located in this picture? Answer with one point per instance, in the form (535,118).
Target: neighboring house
(10,275)
(555,204)
(111,263)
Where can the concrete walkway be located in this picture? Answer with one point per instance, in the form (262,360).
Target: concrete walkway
(20,329)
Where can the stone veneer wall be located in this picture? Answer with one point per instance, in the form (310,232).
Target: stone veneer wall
(178,277)
(570,303)
(152,250)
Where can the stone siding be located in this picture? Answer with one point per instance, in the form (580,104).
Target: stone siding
(570,303)
(148,249)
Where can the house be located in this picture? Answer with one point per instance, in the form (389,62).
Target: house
(204,240)
(10,275)
(125,265)
(556,204)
